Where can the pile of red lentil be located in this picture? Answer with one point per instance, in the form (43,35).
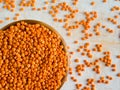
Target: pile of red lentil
(25,64)
(32,57)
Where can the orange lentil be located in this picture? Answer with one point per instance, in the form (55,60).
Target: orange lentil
(34,8)
(4,7)
(98,81)
(99,24)
(55,19)
(69,34)
(96,60)
(74,3)
(118,26)
(83,54)
(72,53)
(103,26)
(118,56)
(12,10)
(87,44)
(1,21)
(85,50)
(109,19)
(53,1)
(105,53)
(112,9)
(77,22)
(90,34)
(68,29)
(75,80)
(94,49)
(104,1)
(95,63)
(60,20)
(116,16)
(38,9)
(106,82)
(70,72)
(50,12)
(72,78)
(76,60)
(56,11)
(65,20)
(95,30)
(114,22)
(97,33)
(76,42)
(44,8)
(113,69)
(65,25)
(78,50)
(80,85)
(118,74)
(81,47)
(113,65)
(7,18)
(88,51)
(17,14)
(15,18)
(46,2)
(21,9)
(79,74)
(108,52)
(92,3)
(53,15)
(68,47)
(90,56)
(102,78)
(70,69)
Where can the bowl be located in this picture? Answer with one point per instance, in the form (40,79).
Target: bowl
(50,28)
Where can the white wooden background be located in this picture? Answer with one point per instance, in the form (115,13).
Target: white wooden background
(110,42)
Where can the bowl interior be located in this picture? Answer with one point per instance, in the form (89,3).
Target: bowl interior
(50,28)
